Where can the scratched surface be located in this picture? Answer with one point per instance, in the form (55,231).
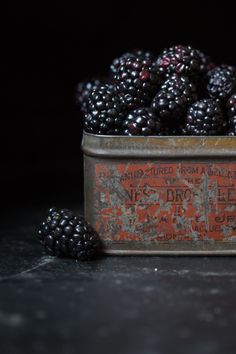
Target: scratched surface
(153,203)
(141,305)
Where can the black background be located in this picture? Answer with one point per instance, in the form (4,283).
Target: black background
(51,48)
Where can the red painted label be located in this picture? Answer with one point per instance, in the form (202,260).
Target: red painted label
(166,202)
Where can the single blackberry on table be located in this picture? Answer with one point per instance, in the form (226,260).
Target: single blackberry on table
(64,234)
(117,62)
(181,60)
(137,80)
(231,112)
(142,121)
(83,89)
(205,118)
(221,83)
(172,101)
(105,111)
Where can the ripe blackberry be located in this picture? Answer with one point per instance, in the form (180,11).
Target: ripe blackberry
(105,111)
(221,83)
(63,234)
(231,112)
(83,89)
(142,121)
(137,81)
(172,101)
(117,62)
(181,60)
(204,118)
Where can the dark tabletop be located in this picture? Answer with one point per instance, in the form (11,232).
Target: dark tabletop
(111,305)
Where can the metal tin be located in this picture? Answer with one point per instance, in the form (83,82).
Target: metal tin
(161,195)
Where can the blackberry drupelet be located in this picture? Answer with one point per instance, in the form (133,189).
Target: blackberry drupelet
(63,234)
(221,83)
(133,54)
(105,111)
(172,101)
(231,112)
(205,118)
(83,90)
(142,121)
(181,60)
(137,80)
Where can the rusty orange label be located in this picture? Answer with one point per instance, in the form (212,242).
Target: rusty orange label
(166,202)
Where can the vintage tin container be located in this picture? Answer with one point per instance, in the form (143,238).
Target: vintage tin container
(161,195)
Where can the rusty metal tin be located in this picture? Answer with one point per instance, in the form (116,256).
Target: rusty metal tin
(161,195)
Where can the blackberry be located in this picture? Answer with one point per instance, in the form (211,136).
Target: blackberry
(231,112)
(133,54)
(82,92)
(221,83)
(142,121)
(63,234)
(105,111)
(172,101)
(204,118)
(137,81)
(181,60)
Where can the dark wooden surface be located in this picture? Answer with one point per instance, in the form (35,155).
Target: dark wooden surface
(141,305)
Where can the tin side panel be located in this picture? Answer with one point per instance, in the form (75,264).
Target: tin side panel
(162,195)
(154,206)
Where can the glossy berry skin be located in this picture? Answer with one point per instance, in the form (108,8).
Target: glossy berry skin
(142,121)
(172,101)
(117,62)
(105,111)
(231,112)
(137,80)
(180,60)
(83,89)
(205,118)
(63,234)
(221,83)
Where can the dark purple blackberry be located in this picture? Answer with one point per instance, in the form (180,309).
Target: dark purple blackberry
(105,111)
(133,54)
(205,118)
(231,112)
(221,83)
(181,60)
(142,121)
(172,101)
(63,234)
(137,81)
(82,92)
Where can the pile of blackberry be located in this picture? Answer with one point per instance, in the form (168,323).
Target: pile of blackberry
(180,92)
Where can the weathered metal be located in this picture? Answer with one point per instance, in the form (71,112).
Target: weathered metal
(161,195)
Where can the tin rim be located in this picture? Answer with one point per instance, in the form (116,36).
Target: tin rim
(198,137)
(121,146)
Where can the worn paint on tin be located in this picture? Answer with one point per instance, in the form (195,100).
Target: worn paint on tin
(163,203)
(161,195)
